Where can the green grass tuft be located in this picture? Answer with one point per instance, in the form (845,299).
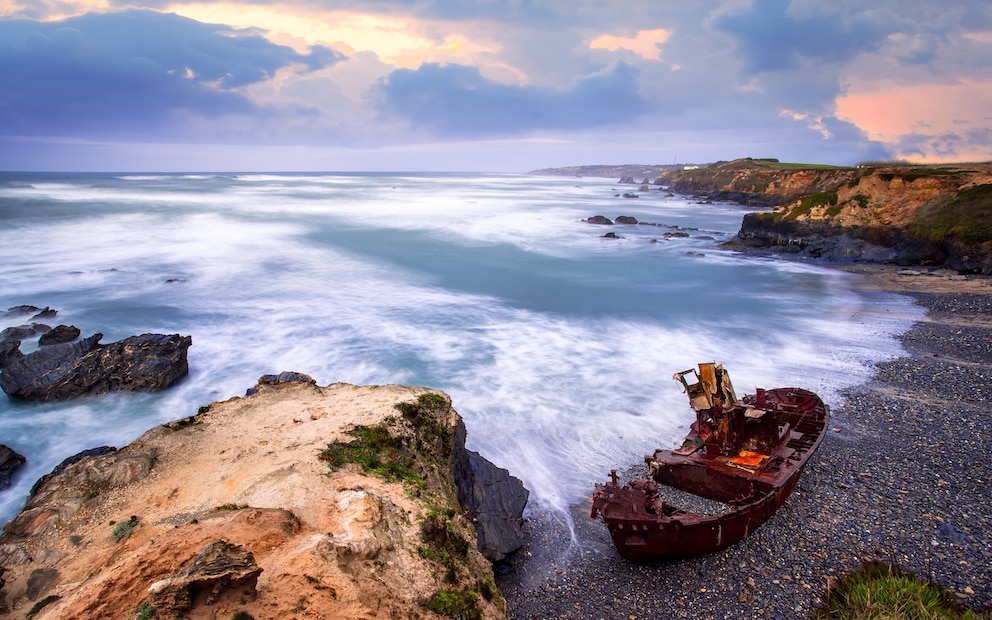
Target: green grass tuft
(454,604)
(378,452)
(123,530)
(881,591)
(145,611)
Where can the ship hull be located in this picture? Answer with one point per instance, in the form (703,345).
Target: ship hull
(750,486)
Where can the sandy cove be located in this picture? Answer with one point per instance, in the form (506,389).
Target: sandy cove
(329,545)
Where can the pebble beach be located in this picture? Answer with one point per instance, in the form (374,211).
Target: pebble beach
(903,475)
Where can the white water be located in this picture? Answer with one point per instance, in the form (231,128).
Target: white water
(556,345)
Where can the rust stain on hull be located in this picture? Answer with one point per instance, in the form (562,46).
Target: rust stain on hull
(745,453)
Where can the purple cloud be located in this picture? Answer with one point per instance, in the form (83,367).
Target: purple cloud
(133,73)
(455,100)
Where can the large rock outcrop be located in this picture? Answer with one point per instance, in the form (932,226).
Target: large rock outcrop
(493,499)
(67,370)
(235,509)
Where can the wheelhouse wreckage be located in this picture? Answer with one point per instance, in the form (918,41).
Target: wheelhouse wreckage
(738,464)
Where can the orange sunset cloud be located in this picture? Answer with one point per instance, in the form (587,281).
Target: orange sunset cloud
(937,112)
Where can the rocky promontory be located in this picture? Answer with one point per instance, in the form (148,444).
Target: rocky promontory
(294,501)
(884,212)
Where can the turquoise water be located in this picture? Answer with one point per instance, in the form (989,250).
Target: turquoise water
(556,344)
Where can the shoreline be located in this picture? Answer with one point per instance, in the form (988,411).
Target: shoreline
(901,476)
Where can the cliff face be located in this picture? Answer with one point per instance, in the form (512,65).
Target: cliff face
(898,214)
(238,509)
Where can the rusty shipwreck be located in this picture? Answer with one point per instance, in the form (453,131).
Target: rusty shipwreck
(741,456)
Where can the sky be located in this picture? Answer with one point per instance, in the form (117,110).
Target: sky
(489,85)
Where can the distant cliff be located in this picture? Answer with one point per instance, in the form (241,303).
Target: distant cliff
(640,172)
(902,214)
(885,213)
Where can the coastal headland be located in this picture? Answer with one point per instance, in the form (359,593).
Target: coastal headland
(876,212)
(245,508)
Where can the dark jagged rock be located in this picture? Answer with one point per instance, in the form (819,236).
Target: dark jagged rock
(10,462)
(493,497)
(626,219)
(827,241)
(219,566)
(599,219)
(45,313)
(59,335)
(628,180)
(9,349)
(143,363)
(23,332)
(18,311)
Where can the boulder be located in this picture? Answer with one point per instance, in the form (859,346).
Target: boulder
(143,363)
(59,335)
(599,219)
(10,461)
(285,377)
(626,219)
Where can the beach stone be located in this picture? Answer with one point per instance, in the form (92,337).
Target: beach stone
(600,219)
(145,363)
(626,219)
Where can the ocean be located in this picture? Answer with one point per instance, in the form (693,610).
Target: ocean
(556,344)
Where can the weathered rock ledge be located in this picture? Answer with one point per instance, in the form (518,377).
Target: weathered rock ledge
(232,510)
(66,366)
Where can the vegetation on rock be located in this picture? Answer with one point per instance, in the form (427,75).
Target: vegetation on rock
(879,591)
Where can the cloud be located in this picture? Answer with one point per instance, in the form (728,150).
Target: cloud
(455,100)
(645,43)
(772,36)
(132,73)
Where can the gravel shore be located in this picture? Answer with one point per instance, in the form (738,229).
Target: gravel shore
(903,475)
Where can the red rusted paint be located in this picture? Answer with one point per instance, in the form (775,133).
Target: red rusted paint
(746,453)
